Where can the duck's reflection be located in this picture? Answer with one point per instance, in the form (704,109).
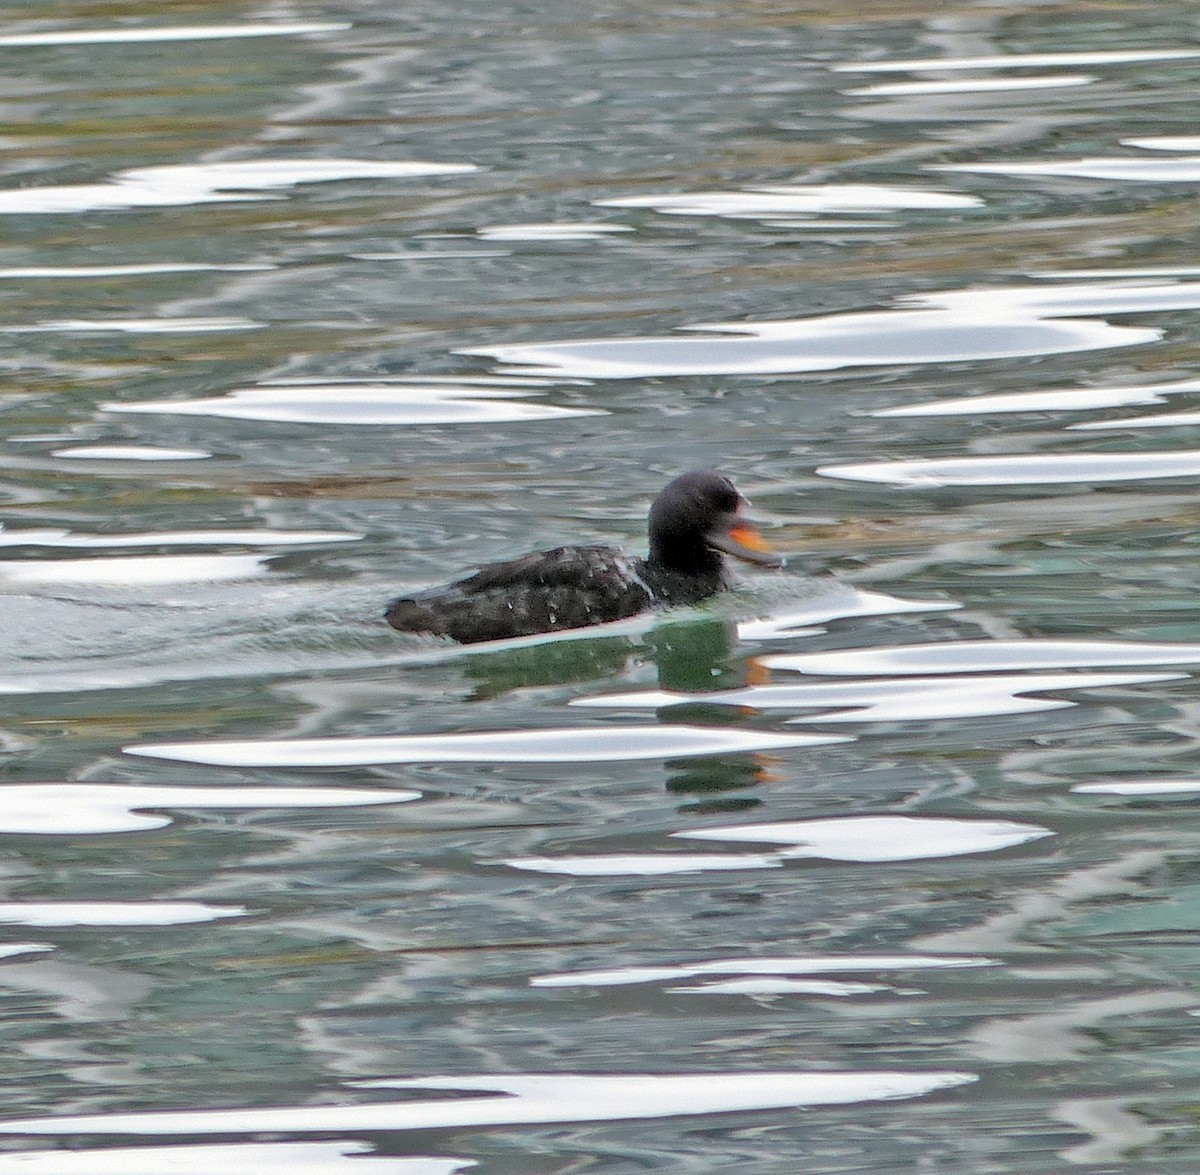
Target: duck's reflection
(698,657)
(691,656)
(695,656)
(559,662)
(709,781)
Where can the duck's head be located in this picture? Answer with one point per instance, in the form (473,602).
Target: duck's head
(696,518)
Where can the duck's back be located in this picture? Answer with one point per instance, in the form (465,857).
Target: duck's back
(568,587)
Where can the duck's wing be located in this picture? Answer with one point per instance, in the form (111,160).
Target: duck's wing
(567,587)
(568,567)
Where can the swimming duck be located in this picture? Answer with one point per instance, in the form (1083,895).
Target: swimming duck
(693,524)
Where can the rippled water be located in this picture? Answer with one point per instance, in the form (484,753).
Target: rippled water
(304,306)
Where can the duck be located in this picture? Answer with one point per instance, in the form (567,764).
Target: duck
(693,524)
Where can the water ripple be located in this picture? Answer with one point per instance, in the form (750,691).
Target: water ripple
(131,326)
(844,838)
(1185,169)
(832,600)
(256,1158)
(1051,400)
(145,34)
(367,403)
(1164,420)
(1140,787)
(59,272)
(134,571)
(579,230)
(949,327)
(39,537)
(72,809)
(565,745)
(778,201)
(209,183)
(971,86)
(788,965)
(1020,60)
(893,701)
(1022,469)
(513,1099)
(155,913)
(129,453)
(9,950)
(984,657)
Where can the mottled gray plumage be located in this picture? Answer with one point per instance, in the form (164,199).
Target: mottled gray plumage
(578,586)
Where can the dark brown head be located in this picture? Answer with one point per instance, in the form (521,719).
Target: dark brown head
(695,519)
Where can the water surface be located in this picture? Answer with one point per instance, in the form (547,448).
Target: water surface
(306,308)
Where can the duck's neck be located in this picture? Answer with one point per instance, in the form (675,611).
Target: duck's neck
(678,584)
(693,557)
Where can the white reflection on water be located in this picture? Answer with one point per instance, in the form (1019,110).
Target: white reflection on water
(1051,400)
(986,323)
(1185,169)
(71,809)
(790,965)
(581,230)
(133,570)
(34,537)
(783,201)
(209,183)
(1153,171)
(1166,143)
(367,403)
(92,271)
(468,254)
(1067,300)
(142,34)
(930,699)
(1125,273)
(1023,469)
(1020,60)
(131,326)
(150,913)
(766,986)
(833,600)
(844,838)
(229,1158)
(971,86)
(514,1099)
(609,744)
(941,698)
(1141,787)
(1165,420)
(646,864)
(9,949)
(880,838)
(984,657)
(129,453)
(256,1158)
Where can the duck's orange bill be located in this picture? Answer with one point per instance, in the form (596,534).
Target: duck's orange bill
(745,535)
